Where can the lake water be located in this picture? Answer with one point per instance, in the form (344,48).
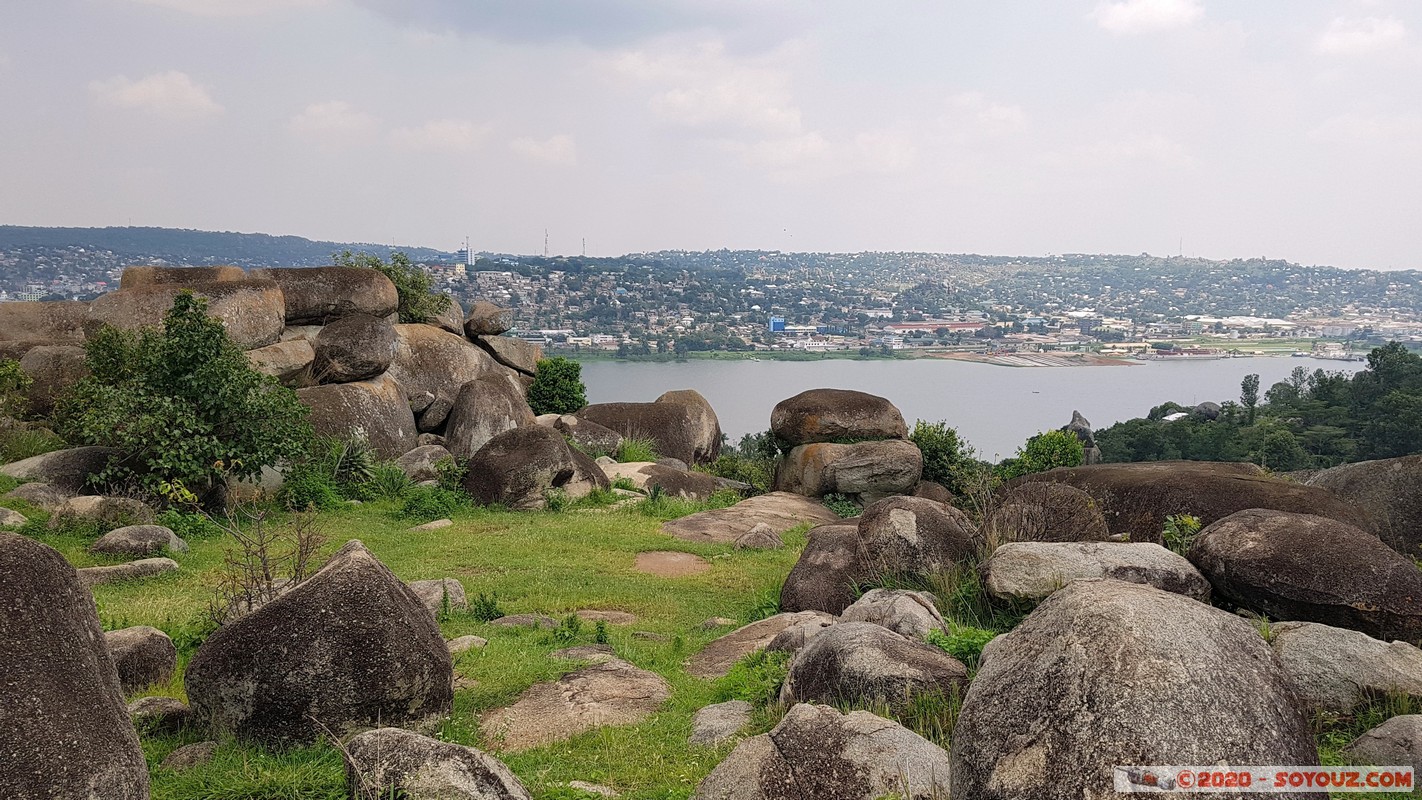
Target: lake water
(995,408)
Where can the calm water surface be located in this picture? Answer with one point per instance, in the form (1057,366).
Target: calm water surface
(995,408)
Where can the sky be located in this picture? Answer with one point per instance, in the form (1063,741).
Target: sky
(1279,128)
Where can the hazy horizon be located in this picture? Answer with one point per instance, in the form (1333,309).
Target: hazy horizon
(1279,129)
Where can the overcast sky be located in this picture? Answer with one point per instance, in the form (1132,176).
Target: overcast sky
(1281,128)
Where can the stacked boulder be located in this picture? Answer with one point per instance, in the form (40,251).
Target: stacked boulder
(681,423)
(844,442)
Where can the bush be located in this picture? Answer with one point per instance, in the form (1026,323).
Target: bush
(429,503)
(637,449)
(450,474)
(14,389)
(1180,531)
(485,607)
(947,460)
(841,504)
(756,679)
(1043,452)
(557,387)
(417,302)
(21,443)
(181,404)
(962,642)
(309,486)
(189,525)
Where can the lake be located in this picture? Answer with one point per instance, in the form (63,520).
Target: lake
(995,408)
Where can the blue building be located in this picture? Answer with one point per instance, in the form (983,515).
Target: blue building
(777,324)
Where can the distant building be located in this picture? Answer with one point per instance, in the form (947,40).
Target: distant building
(777,325)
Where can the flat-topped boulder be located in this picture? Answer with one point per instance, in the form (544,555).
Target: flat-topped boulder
(836,415)
(67,732)
(43,322)
(781,511)
(131,571)
(717,658)
(376,410)
(251,310)
(1314,569)
(158,275)
(1030,571)
(869,470)
(317,295)
(600,695)
(289,362)
(647,476)
(1388,492)
(486,319)
(1136,498)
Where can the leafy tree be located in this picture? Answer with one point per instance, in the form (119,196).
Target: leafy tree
(1043,452)
(557,387)
(14,388)
(1249,395)
(417,302)
(181,404)
(946,457)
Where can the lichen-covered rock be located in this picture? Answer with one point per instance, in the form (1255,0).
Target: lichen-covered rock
(66,731)
(143,656)
(588,435)
(836,415)
(68,470)
(435,363)
(821,753)
(1042,511)
(1388,492)
(1397,742)
(159,714)
(1107,673)
(1335,669)
(317,295)
(351,646)
(909,614)
(420,464)
(53,370)
(441,596)
(861,662)
(1310,568)
(156,275)
(110,512)
(137,541)
(484,408)
(829,572)
(519,467)
(56,322)
(761,537)
(871,470)
(289,362)
(390,762)
(353,348)
(720,722)
(611,693)
(251,310)
(374,410)
(1029,571)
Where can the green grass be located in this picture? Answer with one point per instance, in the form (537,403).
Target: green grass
(545,562)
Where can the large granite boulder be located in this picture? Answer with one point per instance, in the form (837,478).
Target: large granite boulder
(434,363)
(289,362)
(1106,673)
(679,428)
(780,511)
(835,415)
(817,752)
(1081,429)
(864,663)
(353,348)
(519,467)
(66,470)
(1029,571)
(251,310)
(53,370)
(1336,670)
(1389,494)
(137,541)
(910,614)
(487,319)
(1310,568)
(868,470)
(54,322)
(143,656)
(351,646)
(484,408)
(375,410)
(829,573)
(421,464)
(703,416)
(717,658)
(609,693)
(1042,511)
(390,762)
(1136,498)
(155,275)
(66,731)
(317,295)
(514,354)
(588,435)
(451,319)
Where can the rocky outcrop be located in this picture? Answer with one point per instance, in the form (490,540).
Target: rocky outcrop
(53,370)
(353,348)
(54,322)
(351,646)
(143,656)
(66,730)
(1030,571)
(1136,498)
(1315,569)
(1336,670)
(868,470)
(317,295)
(679,428)
(1389,493)
(67,470)
(819,753)
(673,482)
(251,310)
(1042,511)
(864,663)
(374,410)
(420,464)
(519,467)
(484,408)
(1397,742)
(155,275)
(910,614)
(110,512)
(434,363)
(441,596)
(487,319)
(515,354)
(390,762)
(835,415)
(136,541)
(717,658)
(289,362)
(1107,673)
(611,693)
(1081,429)
(588,435)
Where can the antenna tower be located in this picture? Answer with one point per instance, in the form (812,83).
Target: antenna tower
(545,242)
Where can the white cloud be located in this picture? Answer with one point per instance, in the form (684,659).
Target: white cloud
(442,135)
(170,94)
(1146,16)
(559,150)
(230,8)
(1346,36)
(704,87)
(334,119)
(975,112)
(1359,130)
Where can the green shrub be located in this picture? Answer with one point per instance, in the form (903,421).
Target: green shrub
(962,642)
(189,525)
(387,480)
(14,389)
(412,284)
(308,486)
(557,500)
(600,631)
(21,443)
(756,679)
(947,460)
(841,504)
(429,503)
(1043,452)
(635,448)
(625,483)
(1180,531)
(485,607)
(181,404)
(450,474)
(557,387)
(568,630)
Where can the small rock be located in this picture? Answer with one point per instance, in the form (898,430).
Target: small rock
(159,714)
(760,537)
(526,620)
(466,643)
(142,568)
(798,635)
(669,564)
(1397,742)
(445,594)
(10,518)
(594,788)
(612,693)
(44,495)
(717,658)
(137,541)
(855,662)
(143,655)
(433,526)
(648,636)
(189,756)
(390,762)
(110,511)
(594,653)
(717,723)
(717,622)
(909,614)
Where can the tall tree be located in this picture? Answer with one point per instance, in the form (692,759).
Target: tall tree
(1249,395)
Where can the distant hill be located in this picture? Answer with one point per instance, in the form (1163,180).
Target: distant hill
(191,247)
